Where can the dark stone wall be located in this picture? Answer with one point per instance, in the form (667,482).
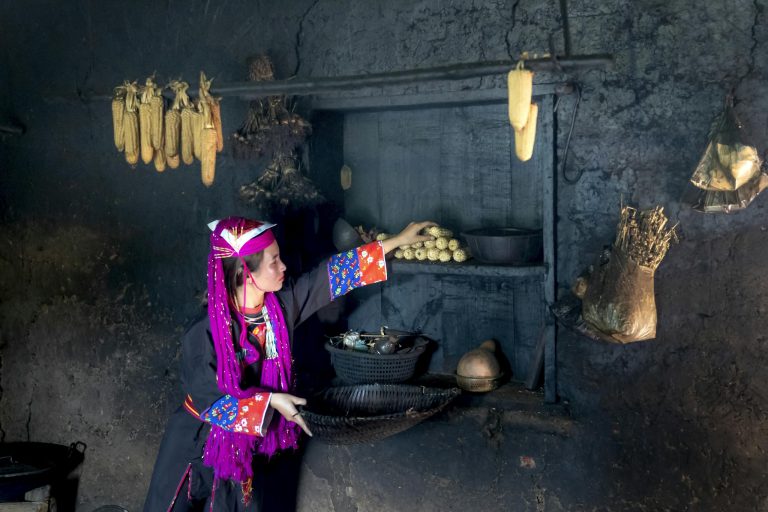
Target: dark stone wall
(101,265)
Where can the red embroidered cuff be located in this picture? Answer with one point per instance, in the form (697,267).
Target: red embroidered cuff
(355,268)
(246,416)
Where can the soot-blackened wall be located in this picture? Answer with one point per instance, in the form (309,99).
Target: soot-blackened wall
(102,265)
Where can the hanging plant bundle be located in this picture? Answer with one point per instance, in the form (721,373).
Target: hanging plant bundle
(271,126)
(281,187)
(728,176)
(618,298)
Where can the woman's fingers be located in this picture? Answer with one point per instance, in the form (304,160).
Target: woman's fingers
(286,404)
(300,422)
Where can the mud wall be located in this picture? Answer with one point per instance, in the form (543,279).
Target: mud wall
(102,265)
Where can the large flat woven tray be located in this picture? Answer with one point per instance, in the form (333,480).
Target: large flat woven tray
(370,412)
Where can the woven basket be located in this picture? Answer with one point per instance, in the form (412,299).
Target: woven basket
(354,367)
(370,412)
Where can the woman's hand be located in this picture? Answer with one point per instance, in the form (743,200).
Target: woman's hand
(286,404)
(409,235)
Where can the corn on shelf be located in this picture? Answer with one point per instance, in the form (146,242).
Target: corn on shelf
(466,269)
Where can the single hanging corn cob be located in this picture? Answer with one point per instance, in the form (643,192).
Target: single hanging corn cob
(187,153)
(216,111)
(173,161)
(208,155)
(172,133)
(145,122)
(197,133)
(520,91)
(118,109)
(131,125)
(157,105)
(159,159)
(173,119)
(525,138)
(208,135)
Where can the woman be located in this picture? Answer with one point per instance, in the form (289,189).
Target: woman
(236,367)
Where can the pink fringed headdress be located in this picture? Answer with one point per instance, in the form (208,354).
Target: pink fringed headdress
(230,453)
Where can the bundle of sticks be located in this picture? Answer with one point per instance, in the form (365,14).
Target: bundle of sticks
(644,236)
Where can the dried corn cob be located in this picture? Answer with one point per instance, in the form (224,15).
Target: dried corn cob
(399,254)
(145,137)
(187,136)
(520,90)
(131,124)
(453,244)
(445,255)
(173,161)
(156,119)
(197,134)
(208,155)
(526,138)
(408,253)
(429,244)
(172,133)
(420,254)
(417,245)
(118,108)
(433,254)
(159,160)
(173,118)
(441,242)
(216,112)
(131,133)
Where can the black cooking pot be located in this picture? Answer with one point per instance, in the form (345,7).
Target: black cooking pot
(27,466)
(509,246)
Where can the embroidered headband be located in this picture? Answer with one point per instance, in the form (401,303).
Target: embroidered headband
(236,236)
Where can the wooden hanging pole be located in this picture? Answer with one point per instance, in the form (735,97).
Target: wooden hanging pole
(324,85)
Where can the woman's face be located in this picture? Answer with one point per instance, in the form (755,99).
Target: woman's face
(271,273)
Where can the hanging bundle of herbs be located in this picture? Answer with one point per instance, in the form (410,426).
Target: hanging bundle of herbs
(271,127)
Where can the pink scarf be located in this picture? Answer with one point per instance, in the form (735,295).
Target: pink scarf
(230,453)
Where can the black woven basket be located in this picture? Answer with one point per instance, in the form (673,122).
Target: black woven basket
(354,367)
(370,412)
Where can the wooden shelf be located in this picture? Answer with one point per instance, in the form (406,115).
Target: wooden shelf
(471,268)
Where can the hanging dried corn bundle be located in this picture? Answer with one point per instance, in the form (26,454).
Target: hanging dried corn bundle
(131,123)
(215,104)
(118,109)
(526,138)
(728,176)
(271,126)
(520,91)
(618,299)
(145,121)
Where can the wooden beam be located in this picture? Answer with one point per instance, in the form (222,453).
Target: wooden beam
(325,85)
